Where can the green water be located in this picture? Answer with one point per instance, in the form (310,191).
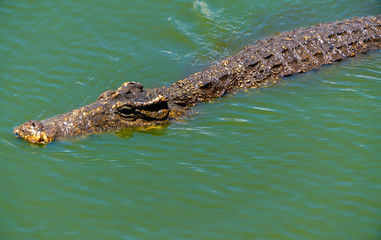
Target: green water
(298,160)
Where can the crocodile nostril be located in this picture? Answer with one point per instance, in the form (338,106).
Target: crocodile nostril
(33,124)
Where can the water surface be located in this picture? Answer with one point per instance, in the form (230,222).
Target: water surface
(297,160)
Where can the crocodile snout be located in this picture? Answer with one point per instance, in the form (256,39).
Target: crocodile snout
(32,131)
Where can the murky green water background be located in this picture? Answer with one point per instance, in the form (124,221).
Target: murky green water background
(299,160)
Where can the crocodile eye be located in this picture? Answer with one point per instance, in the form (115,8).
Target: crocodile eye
(126,112)
(143,108)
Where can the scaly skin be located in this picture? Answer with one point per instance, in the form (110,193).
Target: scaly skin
(257,65)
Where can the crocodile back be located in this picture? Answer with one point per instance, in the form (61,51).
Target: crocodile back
(268,60)
(305,49)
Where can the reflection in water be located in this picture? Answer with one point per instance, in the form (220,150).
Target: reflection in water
(159,130)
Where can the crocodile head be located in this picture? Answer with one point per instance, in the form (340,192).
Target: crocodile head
(128,106)
(131,103)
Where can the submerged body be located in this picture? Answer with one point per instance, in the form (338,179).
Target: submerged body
(264,62)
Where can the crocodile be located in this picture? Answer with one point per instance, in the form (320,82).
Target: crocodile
(257,65)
